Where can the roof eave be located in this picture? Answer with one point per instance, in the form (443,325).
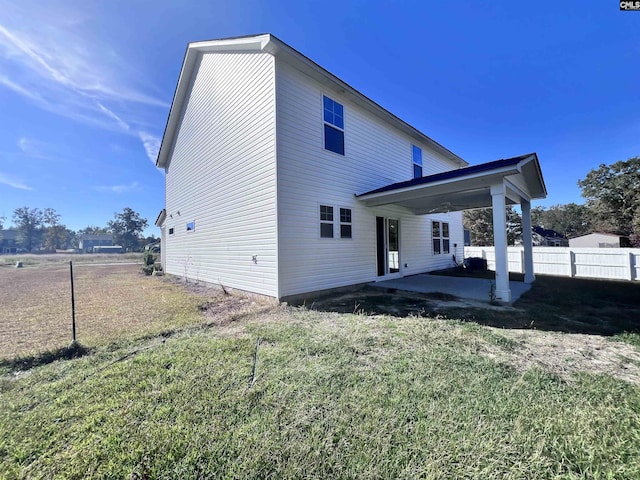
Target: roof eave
(161,218)
(502,172)
(271,44)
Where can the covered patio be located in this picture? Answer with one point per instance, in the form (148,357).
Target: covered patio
(495,184)
(478,289)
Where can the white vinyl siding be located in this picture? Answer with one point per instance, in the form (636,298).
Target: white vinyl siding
(309,176)
(222,176)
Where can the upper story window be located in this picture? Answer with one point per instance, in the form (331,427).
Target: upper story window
(417,161)
(333,113)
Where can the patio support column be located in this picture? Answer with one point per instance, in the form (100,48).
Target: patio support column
(498,203)
(527,241)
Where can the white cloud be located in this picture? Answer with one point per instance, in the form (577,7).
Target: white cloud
(33,148)
(19,89)
(63,63)
(119,189)
(51,56)
(11,181)
(109,113)
(151,145)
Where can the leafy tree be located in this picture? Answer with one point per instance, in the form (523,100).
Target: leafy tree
(571,220)
(55,235)
(480,224)
(127,228)
(28,222)
(92,230)
(613,197)
(51,217)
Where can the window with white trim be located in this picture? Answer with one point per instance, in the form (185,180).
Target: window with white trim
(440,237)
(191,226)
(416,154)
(171,231)
(345,223)
(333,114)
(326,221)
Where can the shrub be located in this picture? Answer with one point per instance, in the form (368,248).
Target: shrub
(147,264)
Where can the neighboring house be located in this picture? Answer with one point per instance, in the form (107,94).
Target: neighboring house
(600,240)
(283,180)
(8,241)
(545,237)
(88,241)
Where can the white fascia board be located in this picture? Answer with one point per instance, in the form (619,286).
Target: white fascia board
(533,159)
(502,172)
(240,44)
(515,193)
(161,218)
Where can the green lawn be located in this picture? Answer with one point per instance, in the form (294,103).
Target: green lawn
(335,396)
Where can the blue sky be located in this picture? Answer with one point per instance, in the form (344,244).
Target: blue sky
(85,86)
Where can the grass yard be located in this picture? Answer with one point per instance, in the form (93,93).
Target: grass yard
(234,388)
(113,302)
(32,259)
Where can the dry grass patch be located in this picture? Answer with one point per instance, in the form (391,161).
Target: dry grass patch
(31,259)
(112,302)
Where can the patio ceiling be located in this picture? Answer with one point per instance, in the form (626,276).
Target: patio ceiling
(465,188)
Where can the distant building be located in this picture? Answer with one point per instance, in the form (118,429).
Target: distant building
(600,240)
(8,241)
(88,242)
(545,237)
(108,249)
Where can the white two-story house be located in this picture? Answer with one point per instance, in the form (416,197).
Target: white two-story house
(283,180)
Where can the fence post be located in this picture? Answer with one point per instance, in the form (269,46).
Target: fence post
(73,306)
(630,257)
(572,261)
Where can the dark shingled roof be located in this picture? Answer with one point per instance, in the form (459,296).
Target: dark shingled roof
(547,233)
(461,172)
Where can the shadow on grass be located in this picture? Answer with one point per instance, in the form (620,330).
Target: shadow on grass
(75,350)
(560,304)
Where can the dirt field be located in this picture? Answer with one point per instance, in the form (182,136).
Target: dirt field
(112,302)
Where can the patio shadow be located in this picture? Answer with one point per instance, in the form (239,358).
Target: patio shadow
(571,305)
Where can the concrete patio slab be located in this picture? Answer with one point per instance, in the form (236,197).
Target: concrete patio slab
(468,288)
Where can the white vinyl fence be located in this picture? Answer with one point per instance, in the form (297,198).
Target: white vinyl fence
(608,263)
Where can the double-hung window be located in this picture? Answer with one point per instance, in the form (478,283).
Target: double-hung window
(326,221)
(345,223)
(333,113)
(416,153)
(440,236)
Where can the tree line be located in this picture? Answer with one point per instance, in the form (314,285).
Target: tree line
(612,194)
(42,229)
